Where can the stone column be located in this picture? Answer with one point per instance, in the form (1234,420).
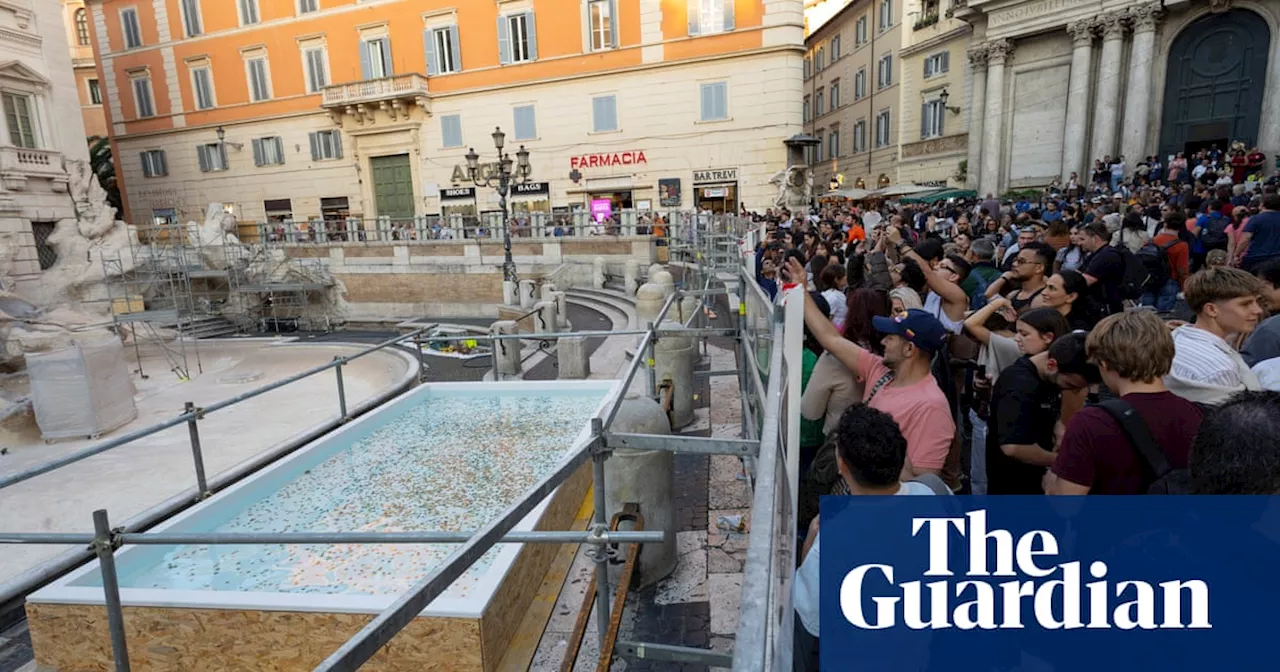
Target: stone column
(1107,111)
(977,112)
(1133,142)
(1075,136)
(998,52)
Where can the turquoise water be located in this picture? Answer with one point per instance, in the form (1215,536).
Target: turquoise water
(448,462)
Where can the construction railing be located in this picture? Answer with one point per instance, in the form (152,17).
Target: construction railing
(769,368)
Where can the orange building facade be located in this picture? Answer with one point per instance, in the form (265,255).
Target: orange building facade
(346,108)
(83,63)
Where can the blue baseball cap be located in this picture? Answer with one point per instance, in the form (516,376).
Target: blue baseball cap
(920,328)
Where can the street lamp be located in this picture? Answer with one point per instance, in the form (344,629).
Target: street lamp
(944,97)
(505,173)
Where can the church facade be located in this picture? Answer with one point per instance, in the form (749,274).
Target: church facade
(1062,83)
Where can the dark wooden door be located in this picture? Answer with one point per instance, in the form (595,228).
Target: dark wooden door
(393,186)
(1213,87)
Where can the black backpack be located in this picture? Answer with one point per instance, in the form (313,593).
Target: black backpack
(1134,281)
(1155,261)
(1214,234)
(1165,479)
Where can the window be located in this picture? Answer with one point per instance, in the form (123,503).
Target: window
(202,86)
(708,17)
(375,58)
(268,151)
(808,67)
(191,17)
(316,60)
(259,81)
(820,61)
(154,163)
(833,143)
(442,50)
(451,130)
(334,209)
(884,76)
(936,64)
(715,101)
(886,14)
(517,38)
(308,6)
(326,145)
(129,28)
(212,157)
(19,117)
(95,91)
(860,31)
(819,103)
(603,23)
(882,129)
(835,47)
(604,114)
(82,27)
(860,136)
(46,254)
(931,118)
(278,210)
(860,84)
(835,95)
(142,97)
(806,109)
(248,11)
(525,122)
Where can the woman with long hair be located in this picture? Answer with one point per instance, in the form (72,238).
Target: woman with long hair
(1072,256)
(832,388)
(1066,292)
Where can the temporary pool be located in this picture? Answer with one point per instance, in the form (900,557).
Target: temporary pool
(444,456)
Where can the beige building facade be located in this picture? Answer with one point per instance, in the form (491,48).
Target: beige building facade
(85,67)
(852,85)
(934,133)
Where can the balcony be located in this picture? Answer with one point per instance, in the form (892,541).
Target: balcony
(18,164)
(395,96)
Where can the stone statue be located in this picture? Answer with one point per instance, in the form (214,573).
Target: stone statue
(795,187)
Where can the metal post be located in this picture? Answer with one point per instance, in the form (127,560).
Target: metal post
(494,344)
(197,455)
(600,554)
(104,545)
(342,389)
(651,373)
(422,358)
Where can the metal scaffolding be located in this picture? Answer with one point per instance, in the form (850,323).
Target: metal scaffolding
(768,339)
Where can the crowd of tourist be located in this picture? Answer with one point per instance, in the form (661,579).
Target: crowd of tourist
(1081,342)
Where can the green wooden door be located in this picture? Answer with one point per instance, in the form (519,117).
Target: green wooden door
(393,186)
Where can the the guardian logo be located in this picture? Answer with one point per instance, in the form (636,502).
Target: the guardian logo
(1037,587)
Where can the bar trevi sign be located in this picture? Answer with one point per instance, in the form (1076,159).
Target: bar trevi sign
(715,175)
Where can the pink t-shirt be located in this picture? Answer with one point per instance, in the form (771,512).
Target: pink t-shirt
(920,409)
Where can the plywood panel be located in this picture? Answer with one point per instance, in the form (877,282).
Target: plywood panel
(74,638)
(504,612)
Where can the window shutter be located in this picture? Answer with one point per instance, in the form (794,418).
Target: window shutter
(337,144)
(708,102)
(366,67)
(941,111)
(314,138)
(203,158)
(728,15)
(693,8)
(454,49)
(613,23)
(222,156)
(429,40)
(946,56)
(385,45)
(146,165)
(924,120)
(928,69)
(504,40)
(279,143)
(532,30)
(258,159)
(163,161)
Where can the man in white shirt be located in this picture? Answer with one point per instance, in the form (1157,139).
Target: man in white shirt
(870,452)
(1206,368)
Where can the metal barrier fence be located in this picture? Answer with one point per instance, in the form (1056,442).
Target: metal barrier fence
(769,366)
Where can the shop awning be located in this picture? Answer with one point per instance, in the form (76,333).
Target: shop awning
(902,190)
(941,195)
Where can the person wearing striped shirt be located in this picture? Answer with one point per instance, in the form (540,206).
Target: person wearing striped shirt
(1206,368)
